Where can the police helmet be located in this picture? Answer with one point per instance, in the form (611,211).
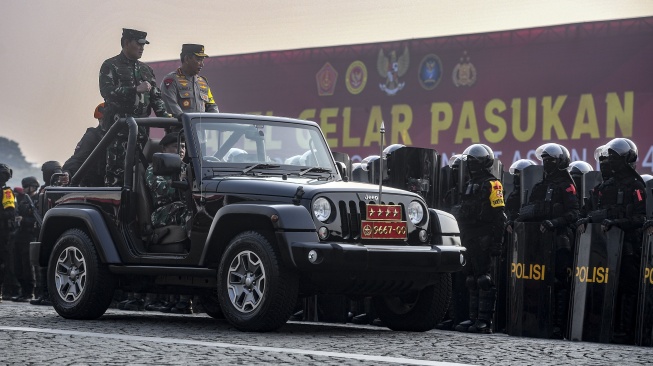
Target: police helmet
(557,151)
(520,165)
(368,160)
(646,177)
(622,147)
(392,148)
(598,153)
(481,153)
(233,153)
(5,170)
(30,182)
(454,161)
(579,167)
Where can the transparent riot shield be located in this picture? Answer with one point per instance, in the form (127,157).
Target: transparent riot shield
(415,169)
(594,285)
(529,177)
(530,285)
(447,190)
(644,327)
(590,180)
(497,169)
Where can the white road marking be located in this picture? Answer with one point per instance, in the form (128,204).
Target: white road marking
(353,356)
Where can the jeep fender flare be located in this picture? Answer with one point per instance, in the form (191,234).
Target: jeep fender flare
(288,223)
(90,219)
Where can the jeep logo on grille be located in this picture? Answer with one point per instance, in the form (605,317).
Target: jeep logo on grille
(369,197)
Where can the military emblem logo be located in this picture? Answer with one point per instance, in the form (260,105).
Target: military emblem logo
(430,72)
(464,74)
(356,77)
(326,80)
(392,68)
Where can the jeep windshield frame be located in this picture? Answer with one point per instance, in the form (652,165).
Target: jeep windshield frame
(234,144)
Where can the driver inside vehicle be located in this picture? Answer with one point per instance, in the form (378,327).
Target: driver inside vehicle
(169,206)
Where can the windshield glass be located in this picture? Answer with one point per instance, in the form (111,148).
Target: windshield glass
(224,142)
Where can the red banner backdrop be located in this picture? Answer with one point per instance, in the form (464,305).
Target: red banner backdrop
(579,85)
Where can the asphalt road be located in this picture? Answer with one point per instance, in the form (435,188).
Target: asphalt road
(37,335)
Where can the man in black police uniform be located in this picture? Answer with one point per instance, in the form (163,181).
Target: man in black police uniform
(49,169)
(7,220)
(481,219)
(26,233)
(129,89)
(620,201)
(84,148)
(554,203)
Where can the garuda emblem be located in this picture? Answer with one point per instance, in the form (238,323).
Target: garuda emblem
(392,68)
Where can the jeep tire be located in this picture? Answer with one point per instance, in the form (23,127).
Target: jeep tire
(418,311)
(257,293)
(79,284)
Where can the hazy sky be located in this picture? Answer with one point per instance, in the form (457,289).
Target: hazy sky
(51,50)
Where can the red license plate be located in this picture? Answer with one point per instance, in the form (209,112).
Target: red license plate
(383,230)
(383,212)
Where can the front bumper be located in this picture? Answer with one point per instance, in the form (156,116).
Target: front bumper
(339,257)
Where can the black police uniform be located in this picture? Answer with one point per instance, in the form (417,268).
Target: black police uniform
(26,233)
(7,220)
(481,220)
(95,176)
(621,201)
(555,203)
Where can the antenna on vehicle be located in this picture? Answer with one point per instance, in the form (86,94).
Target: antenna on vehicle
(382,131)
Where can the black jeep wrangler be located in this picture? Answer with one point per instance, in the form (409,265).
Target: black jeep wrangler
(272,222)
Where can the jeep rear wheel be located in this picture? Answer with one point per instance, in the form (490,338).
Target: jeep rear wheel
(417,311)
(256,292)
(80,286)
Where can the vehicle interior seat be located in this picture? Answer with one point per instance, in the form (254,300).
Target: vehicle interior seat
(167,239)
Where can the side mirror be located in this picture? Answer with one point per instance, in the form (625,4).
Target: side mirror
(342,169)
(166,164)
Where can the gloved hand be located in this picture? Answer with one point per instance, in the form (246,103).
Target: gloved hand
(607,224)
(547,225)
(581,223)
(496,249)
(509,225)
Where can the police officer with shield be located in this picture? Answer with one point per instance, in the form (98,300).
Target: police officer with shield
(553,203)
(481,220)
(620,201)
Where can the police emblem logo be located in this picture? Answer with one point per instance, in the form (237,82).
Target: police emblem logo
(464,73)
(429,73)
(356,77)
(326,80)
(391,68)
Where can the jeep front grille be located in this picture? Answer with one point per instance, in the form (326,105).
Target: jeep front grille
(351,213)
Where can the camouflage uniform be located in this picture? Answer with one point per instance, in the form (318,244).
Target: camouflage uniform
(168,208)
(119,77)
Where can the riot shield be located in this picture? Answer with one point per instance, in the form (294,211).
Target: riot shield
(497,169)
(590,180)
(644,327)
(415,169)
(447,190)
(649,199)
(594,285)
(358,174)
(528,178)
(531,281)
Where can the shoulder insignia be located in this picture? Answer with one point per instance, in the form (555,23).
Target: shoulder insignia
(496,196)
(571,189)
(639,195)
(168,82)
(8,199)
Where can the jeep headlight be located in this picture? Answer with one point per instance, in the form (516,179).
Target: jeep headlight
(415,212)
(322,209)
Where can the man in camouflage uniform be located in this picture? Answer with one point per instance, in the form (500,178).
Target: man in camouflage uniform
(184,90)
(169,208)
(129,89)
(7,220)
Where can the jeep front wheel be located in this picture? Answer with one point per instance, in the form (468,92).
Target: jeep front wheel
(79,284)
(417,311)
(256,292)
